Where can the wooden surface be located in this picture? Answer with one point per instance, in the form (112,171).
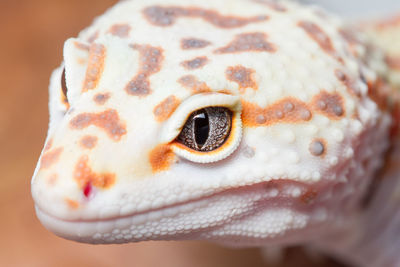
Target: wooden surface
(32,36)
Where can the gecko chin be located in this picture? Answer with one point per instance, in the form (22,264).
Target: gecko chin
(278,211)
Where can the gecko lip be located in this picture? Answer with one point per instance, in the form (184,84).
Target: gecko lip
(86,230)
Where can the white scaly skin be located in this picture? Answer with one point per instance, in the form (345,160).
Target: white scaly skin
(112,172)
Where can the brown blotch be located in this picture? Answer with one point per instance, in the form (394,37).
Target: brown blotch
(72,204)
(101,99)
(242,76)
(393,62)
(192,83)
(95,68)
(161,158)
(164,110)
(193,43)
(166,16)
(51,157)
(319,36)
(308,197)
(150,63)
(275,5)
(120,30)
(93,37)
(108,121)
(195,63)
(317,147)
(331,105)
(88,142)
(288,110)
(350,84)
(248,42)
(84,175)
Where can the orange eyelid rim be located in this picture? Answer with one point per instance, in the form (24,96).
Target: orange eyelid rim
(228,147)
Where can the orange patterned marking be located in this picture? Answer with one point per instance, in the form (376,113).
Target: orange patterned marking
(318,35)
(248,42)
(150,63)
(274,4)
(161,157)
(195,63)
(84,175)
(382,94)
(242,76)
(88,142)
(350,84)
(93,37)
(72,204)
(166,16)
(95,68)
(108,121)
(120,30)
(192,83)
(331,105)
(165,109)
(50,158)
(288,110)
(48,145)
(193,43)
(101,99)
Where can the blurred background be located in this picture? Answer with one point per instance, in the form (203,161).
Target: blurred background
(32,36)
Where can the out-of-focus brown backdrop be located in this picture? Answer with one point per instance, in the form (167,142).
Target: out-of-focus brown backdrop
(31,40)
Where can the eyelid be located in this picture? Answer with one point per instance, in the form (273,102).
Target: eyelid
(178,119)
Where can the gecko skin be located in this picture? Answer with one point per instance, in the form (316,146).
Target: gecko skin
(242,122)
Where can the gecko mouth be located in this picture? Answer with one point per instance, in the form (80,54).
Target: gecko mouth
(193,217)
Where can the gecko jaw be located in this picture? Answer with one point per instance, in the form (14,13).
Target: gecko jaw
(223,208)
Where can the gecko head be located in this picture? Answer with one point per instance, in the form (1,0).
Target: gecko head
(223,136)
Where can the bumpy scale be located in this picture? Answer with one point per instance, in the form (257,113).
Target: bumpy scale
(311,121)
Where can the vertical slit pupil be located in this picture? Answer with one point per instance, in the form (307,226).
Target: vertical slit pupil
(201,128)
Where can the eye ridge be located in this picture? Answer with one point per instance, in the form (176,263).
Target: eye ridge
(206,129)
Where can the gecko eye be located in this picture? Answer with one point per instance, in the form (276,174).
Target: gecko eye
(64,87)
(206,129)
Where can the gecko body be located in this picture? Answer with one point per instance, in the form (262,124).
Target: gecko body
(247,123)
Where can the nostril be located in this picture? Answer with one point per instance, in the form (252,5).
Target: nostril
(88,189)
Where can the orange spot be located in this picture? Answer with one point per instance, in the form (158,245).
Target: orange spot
(275,5)
(150,63)
(193,43)
(161,158)
(50,158)
(308,197)
(88,142)
(72,204)
(82,46)
(331,105)
(108,121)
(164,110)
(195,63)
(248,42)
(242,76)
(166,16)
(93,37)
(319,36)
(192,83)
(95,68)
(120,30)
(288,110)
(101,99)
(48,145)
(83,174)
(52,179)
